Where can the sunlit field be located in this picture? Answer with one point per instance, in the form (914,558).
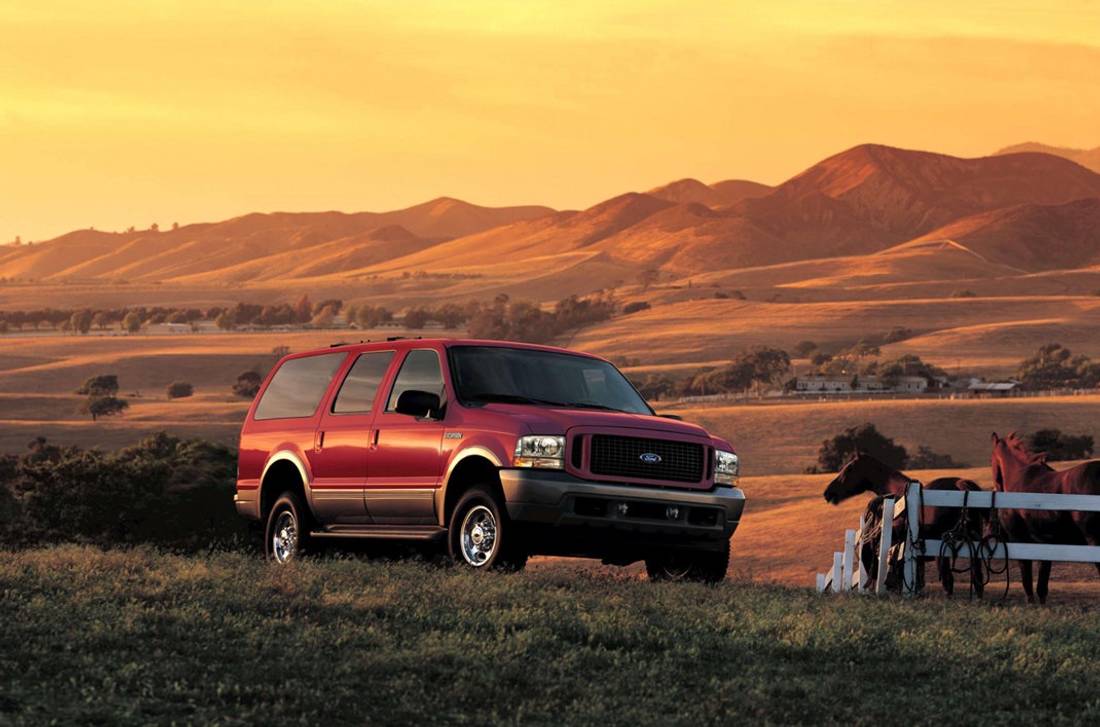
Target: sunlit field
(139,637)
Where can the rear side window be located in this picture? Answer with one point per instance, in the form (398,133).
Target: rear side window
(419,372)
(297,387)
(361,384)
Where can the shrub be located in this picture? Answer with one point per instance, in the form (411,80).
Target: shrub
(638,305)
(180,390)
(866,438)
(805,348)
(1059,446)
(163,490)
(926,459)
(248,384)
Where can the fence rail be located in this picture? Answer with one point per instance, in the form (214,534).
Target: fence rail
(915,550)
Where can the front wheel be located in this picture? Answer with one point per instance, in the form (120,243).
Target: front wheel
(705,566)
(481,536)
(286,536)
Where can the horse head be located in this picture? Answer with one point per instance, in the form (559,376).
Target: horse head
(860,473)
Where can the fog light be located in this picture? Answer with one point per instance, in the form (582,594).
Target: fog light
(623,508)
(672,512)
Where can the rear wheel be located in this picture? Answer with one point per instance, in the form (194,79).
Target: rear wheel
(481,536)
(706,566)
(286,536)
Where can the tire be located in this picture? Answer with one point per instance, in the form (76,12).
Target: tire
(481,536)
(703,566)
(286,535)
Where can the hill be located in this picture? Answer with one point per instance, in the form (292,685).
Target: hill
(1085,157)
(1031,236)
(195,250)
(720,194)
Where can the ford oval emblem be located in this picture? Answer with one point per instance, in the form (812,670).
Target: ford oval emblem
(650,458)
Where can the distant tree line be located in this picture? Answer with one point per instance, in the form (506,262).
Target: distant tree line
(757,368)
(1056,367)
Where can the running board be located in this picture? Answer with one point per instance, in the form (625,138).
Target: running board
(391,532)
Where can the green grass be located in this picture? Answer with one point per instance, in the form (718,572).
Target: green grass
(139,636)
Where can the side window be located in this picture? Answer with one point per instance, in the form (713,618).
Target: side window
(362,382)
(297,387)
(419,372)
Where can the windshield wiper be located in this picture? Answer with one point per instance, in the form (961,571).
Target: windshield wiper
(592,405)
(487,396)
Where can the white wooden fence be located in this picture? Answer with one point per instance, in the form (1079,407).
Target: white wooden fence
(847,573)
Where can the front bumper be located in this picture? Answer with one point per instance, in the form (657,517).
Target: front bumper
(559,500)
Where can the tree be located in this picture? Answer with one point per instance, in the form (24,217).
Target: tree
(648,277)
(101,400)
(81,321)
(225,321)
(154,227)
(303,309)
(102,385)
(805,348)
(280,351)
(175,226)
(368,316)
(866,438)
(132,322)
(324,318)
(248,385)
(1054,367)
(179,390)
(926,459)
(416,318)
(1058,446)
(634,307)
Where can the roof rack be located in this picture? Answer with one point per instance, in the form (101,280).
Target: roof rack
(338,344)
(395,338)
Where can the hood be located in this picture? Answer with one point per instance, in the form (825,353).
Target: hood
(558,420)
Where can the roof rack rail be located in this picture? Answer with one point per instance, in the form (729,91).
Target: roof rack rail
(395,338)
(338,344)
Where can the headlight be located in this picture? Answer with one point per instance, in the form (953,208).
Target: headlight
(726,468)
(540,450)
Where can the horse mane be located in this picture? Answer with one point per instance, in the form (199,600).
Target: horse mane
(1025,455)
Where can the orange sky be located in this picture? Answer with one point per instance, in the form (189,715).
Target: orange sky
(127,113)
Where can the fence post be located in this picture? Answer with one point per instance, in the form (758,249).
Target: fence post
(837,557)
(885,542)
(849,559)
(820,582)
(913,505)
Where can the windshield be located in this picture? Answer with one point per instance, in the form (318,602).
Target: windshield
(484,374)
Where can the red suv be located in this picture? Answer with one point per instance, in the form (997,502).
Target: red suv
(502,450)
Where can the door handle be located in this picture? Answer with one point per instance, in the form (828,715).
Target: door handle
(374,439)
(318,441)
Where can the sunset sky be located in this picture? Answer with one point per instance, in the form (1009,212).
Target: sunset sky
(127,113)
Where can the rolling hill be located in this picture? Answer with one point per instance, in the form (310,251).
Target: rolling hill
(1085,157)
(1004,215)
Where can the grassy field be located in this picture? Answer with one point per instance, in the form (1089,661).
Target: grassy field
(139,637)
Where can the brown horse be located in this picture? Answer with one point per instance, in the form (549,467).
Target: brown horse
(1015,469)
(864,473)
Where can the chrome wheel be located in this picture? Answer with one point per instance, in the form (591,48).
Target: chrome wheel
(478,536)
(284,537)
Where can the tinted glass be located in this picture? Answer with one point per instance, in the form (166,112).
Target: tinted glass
(484,374)
(419,372)
(297,387)
(362,382)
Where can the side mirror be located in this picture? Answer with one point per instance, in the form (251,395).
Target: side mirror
(677,417)
(419,404)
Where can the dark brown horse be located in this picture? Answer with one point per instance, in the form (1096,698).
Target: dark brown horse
(1015,469)
(864,473)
